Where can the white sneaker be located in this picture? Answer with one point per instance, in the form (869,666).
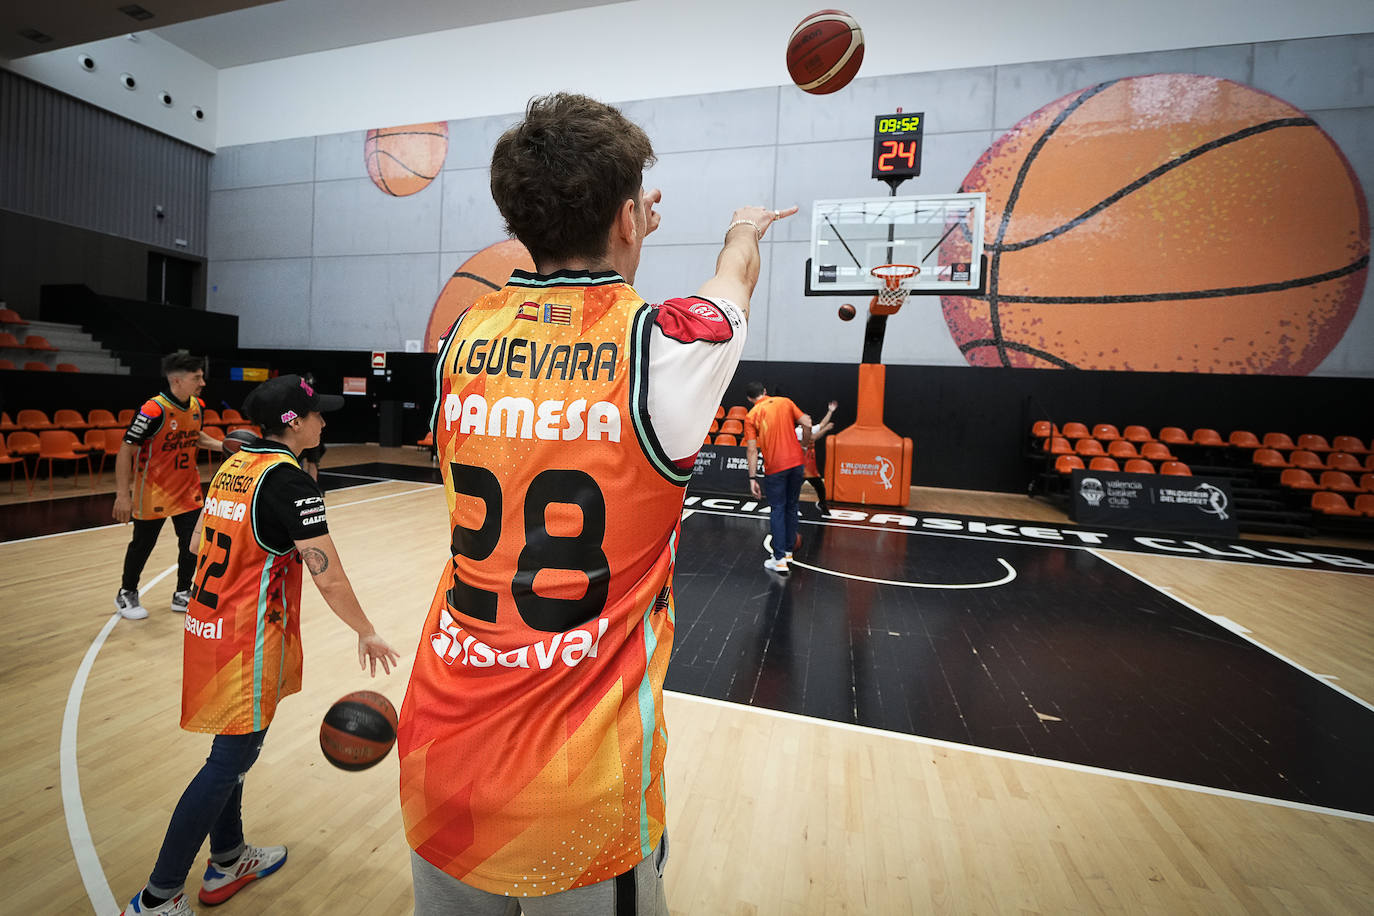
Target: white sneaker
(219,885)
(787,556)
(777,566)
(181,601)
(126,602)
(177,906)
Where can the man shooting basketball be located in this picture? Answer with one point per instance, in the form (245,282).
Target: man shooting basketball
(567,417)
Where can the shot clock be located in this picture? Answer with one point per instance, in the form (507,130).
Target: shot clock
(897,145)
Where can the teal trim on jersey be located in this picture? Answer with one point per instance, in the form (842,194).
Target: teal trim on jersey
(639,400)
(253,510)
(527,280)
(259,641)
(439,376)
(647,718)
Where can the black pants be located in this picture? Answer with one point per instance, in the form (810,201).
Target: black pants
(145,538)
(818,484)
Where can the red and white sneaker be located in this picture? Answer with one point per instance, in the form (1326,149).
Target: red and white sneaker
(177,906)
(219,884)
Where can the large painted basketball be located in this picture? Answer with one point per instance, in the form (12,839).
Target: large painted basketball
(824,51)
(486,271)
(404,160)
(1172,222)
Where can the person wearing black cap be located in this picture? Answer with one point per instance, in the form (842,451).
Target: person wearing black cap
(263,522)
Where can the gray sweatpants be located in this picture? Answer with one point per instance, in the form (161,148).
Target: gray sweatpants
(638,892)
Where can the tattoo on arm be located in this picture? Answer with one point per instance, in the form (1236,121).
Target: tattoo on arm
(315,560)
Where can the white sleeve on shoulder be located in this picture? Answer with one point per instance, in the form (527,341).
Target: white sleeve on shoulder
(687,380)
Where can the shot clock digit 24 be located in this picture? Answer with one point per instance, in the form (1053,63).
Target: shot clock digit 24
(897,145)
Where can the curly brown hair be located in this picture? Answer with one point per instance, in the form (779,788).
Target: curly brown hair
(559,176)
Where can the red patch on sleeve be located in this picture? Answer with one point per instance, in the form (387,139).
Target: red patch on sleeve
(151,408)
(693,319)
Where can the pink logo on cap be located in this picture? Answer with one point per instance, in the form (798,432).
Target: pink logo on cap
(288,416)
(308,390)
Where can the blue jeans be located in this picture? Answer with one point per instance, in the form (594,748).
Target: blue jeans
(783,492)
(210,806)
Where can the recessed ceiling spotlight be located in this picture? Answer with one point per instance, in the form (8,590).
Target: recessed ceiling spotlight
(87,62)
(165,98)
(127,81)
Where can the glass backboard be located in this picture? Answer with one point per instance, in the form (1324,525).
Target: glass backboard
(942,234)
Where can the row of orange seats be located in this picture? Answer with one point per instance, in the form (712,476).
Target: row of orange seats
(1066,464)
(728,426)
(1337,481)
(1174,435)
(35,366)
(1311,461)
(64,418)
(31,343)
(1120,449)
(1334,504)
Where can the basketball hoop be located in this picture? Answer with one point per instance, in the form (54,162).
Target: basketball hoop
(892,294)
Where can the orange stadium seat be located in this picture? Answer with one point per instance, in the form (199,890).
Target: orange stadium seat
(1349,445)
(230,415)
(210,417)
(62,445)
(720,413)
(1301,458)
(102,419)
(1332,504)
(6,424)
(6,364)
(1298,479)
(1138,434)
(1103,464)
(715,427)
(737,413)
(427,441)
(1279,441)
(1139,466)
(37,342)
(1313,443)
(12,460)
(35,366)
(1173,435)
(1057,446)
(1339,482)
(9,340)
(1121,448)
(33,420)
(733,427)
(1105,432)
(1367,483)
(126,417)
(1065,464)
(94,440)
(68,367)
(1243,438)
(66,418)
(1156,451)
(1076,431)
(22,442)
(1175,469)
(1343,461)
(1365,505)
(10,316)
(1089,448)
(1269,458)
(1205,436)
(1042,429)
(726,439)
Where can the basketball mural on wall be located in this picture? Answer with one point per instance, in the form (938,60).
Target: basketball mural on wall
(485,272)
(1172,222)
(404,160)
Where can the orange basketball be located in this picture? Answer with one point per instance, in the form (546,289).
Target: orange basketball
(358,730)
(404,160)
(824,51)
(1172,222)
(484,272)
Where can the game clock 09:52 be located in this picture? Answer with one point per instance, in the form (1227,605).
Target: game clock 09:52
(897,145)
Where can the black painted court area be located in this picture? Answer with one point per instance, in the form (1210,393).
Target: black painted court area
(1073,661)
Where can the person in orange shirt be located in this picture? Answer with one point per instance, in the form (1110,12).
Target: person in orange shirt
(770,428)
(568,414)
(263,524)
(156,478)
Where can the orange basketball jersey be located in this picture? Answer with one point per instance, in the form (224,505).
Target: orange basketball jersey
(242,649)
(532,736)
(772,422)
(166,479)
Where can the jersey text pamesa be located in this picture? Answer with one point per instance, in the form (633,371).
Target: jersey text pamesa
(521,418)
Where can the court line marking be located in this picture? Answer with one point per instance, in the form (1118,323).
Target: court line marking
(1010,576)
(1233,628)
(1061,545)
(98,890)
(73,808)
(1025,758)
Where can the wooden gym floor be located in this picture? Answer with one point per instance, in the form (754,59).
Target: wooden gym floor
(817,762)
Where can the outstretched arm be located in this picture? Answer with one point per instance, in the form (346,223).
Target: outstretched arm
(737,266)
(323,562)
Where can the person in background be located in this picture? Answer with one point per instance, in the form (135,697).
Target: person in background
(770,429)
(813,473)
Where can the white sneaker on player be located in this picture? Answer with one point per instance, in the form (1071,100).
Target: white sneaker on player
(219,884)
(126,602)
(181,601)
(177,906)
(777,566)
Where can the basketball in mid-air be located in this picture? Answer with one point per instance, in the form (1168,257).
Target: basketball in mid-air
(847,312)
(825,51)
(358,730)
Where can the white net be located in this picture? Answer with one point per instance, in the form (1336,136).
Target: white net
(891,294)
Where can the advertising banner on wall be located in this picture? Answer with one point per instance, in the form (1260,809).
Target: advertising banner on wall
(1152,502)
